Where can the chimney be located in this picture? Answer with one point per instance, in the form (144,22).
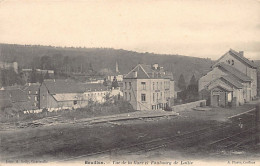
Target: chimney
(135,74)
(241,53)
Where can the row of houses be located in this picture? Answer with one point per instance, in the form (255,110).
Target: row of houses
(54,94)
(231,82)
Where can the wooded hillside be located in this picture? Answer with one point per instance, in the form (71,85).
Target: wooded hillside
(83,59)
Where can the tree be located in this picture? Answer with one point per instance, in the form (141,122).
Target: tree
(33,76)
(90,67)
(105,82)
(115,83)
(47,76)
(41,78)
(46,62)
(192,89)
(181,83)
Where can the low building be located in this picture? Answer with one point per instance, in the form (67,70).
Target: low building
(15,100)
(149,87)
(231,82)
(70,94)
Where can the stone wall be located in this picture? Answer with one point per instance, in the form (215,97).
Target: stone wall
(186,106)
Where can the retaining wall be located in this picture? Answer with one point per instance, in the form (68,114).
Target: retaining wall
(191,105)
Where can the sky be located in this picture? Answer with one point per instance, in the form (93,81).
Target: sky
(200,28)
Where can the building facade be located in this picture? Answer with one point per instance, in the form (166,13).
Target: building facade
(148,88)
(231,82)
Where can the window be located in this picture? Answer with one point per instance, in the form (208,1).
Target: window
(36,92)
(29,97)
(157,85)
(143,84)
(143,98)
(153,96)
(161,86)
(130,85)
(157,97)
(74,102)
(29,92)
(125,96)
(35,98)
(153,86)
(125,85)
(161,95)
(232,62)
(130,96)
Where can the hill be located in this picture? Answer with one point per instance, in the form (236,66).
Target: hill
(83,59)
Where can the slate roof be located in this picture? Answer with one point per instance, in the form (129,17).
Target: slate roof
(93,87)
(70,86)
(232,81)
(146,72)
(34,88)
(67,97)
(231,70)
(221,86)
(15,95)
(240,57)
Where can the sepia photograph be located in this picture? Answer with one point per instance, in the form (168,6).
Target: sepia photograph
(130,82)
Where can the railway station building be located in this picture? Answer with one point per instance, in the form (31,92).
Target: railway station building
(231,82)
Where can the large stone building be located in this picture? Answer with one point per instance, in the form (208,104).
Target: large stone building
(148,87)
(231,82)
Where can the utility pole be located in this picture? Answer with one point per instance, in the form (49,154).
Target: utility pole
(257,123)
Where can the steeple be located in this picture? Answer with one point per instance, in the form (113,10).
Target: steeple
(117,70)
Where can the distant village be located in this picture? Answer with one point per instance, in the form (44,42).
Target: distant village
(231,81)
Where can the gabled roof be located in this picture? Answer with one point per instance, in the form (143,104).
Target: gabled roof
(141,73)
(233,81)
(62,86)
(239,57)
(233,71)
(70,86)
(146,71)
(222,87)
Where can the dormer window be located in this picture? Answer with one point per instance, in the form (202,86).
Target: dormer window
(232,62)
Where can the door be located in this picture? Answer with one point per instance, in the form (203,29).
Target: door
(215,100)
